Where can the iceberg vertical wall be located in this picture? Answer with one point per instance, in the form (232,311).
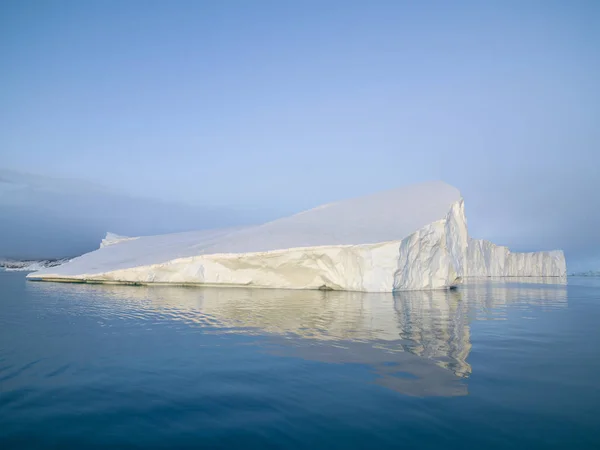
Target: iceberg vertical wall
(434,256)
(442,254)
(485,259)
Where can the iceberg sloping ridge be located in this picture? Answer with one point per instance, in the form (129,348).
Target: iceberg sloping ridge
(410,238)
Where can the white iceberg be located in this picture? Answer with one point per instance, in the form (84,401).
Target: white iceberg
(410,238)
(485,259)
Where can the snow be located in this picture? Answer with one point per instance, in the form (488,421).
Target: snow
(410,238)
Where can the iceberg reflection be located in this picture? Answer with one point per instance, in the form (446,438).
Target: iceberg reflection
(416,343)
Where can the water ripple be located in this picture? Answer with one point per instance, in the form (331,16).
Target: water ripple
(100,363)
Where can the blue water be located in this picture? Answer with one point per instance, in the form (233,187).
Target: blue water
(491,365)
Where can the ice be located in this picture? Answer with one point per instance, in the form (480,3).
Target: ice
(489,260)
(434,256)
(410,238)
(113,238)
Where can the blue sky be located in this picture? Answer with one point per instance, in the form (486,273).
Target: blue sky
(283,105)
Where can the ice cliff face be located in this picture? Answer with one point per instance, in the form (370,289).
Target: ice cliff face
(411,238)
(442,254)
(485,259)
(434,256)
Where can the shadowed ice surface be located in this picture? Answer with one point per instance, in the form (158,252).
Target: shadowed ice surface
(494,363)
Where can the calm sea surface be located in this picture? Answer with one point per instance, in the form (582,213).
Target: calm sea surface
(491,365)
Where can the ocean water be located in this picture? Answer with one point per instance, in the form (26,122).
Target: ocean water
(491,365)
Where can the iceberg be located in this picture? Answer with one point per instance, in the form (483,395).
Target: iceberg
(410,238)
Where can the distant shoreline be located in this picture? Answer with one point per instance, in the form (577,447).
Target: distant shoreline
(30,265)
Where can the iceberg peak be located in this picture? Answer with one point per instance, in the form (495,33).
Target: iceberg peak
(113,238)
